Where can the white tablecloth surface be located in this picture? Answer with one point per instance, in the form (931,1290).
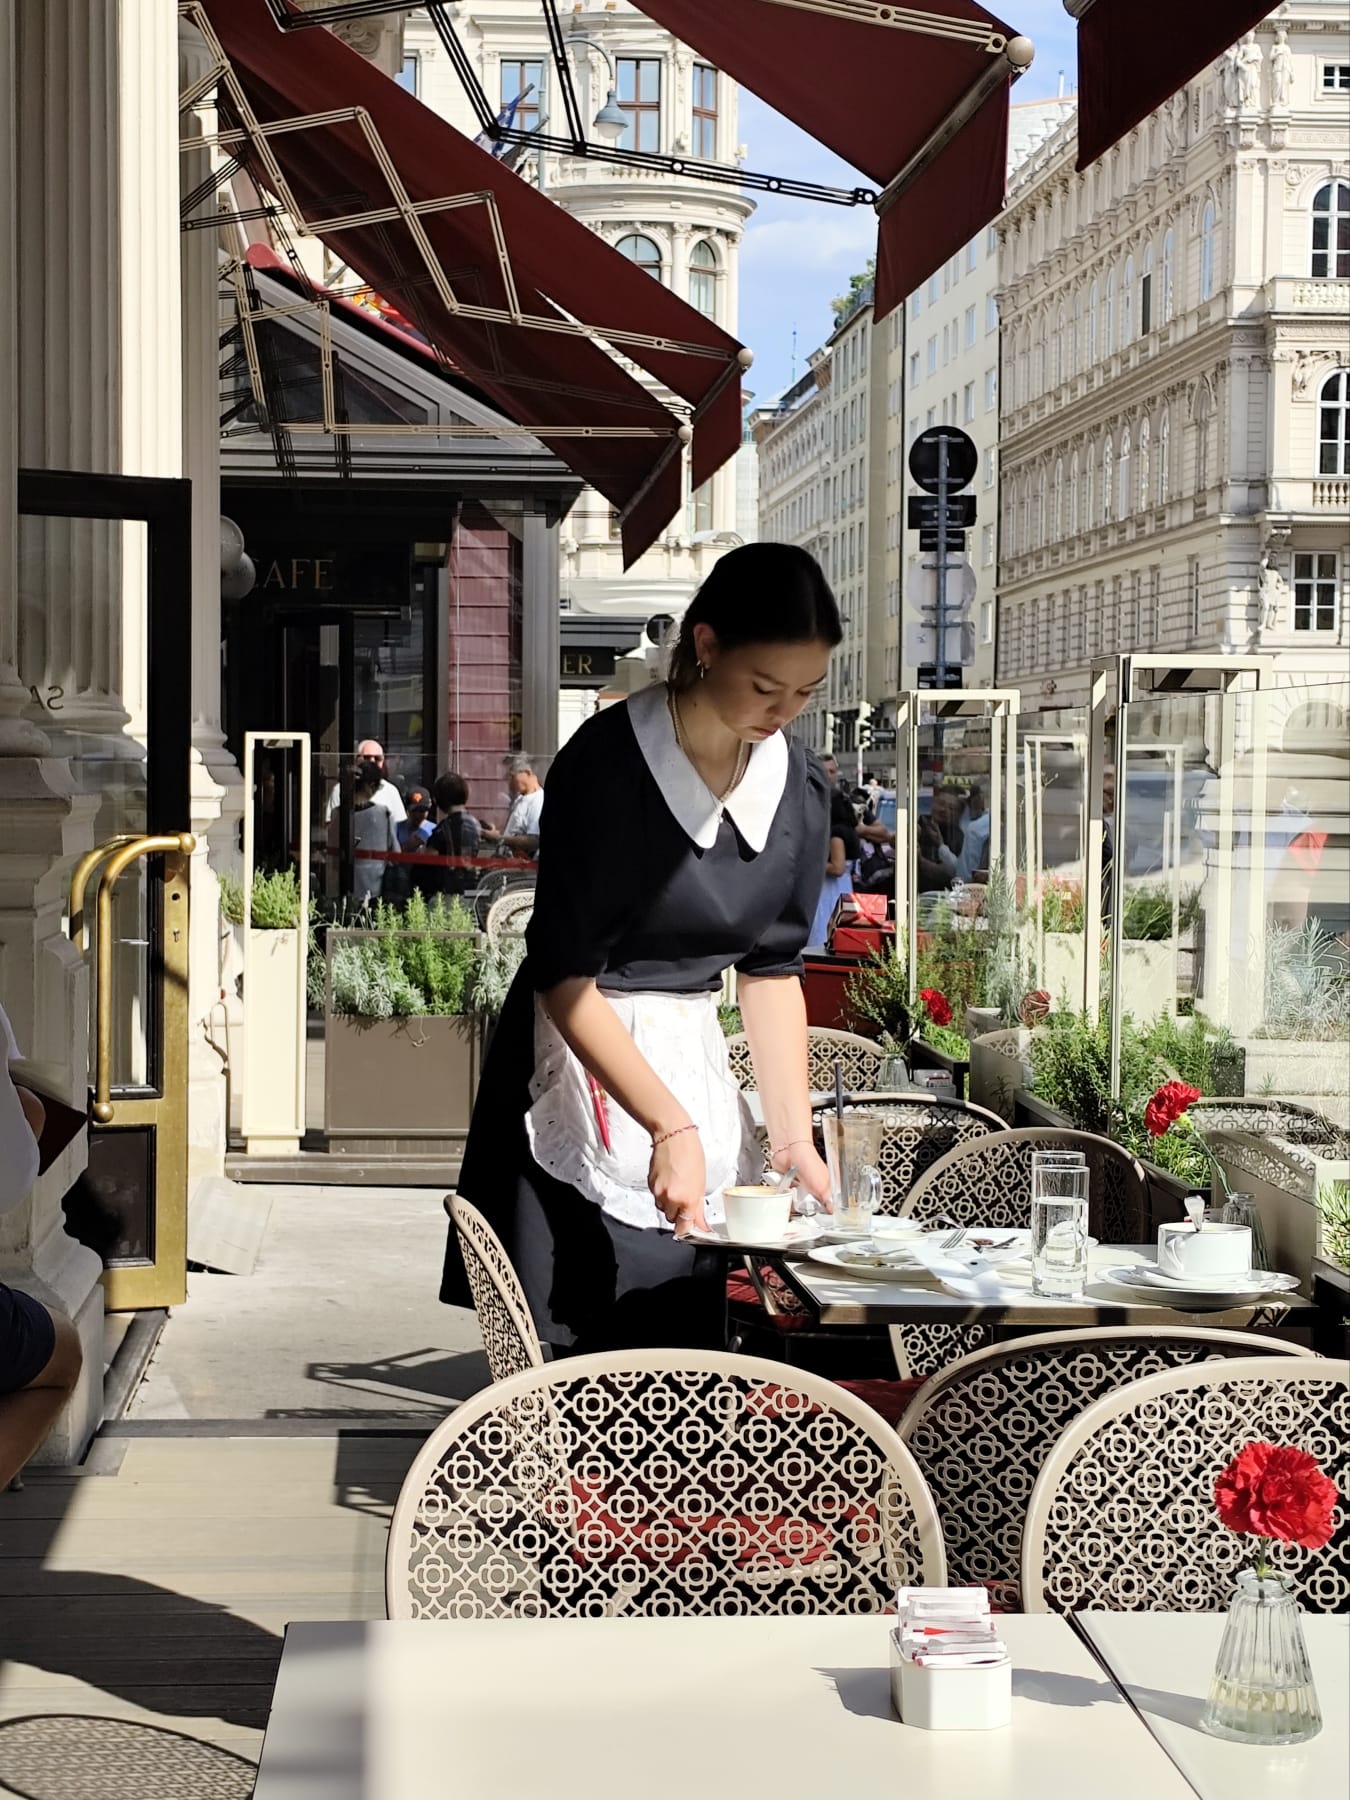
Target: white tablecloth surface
(1164,1662)
(680,1709)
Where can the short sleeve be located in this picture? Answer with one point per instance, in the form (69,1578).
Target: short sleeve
(779,950)
(589,866)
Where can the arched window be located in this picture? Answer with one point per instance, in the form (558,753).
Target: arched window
(1165,298)
(1207,251)
(1123,497)
(1108,474)
(1164,453)
(1127,305)
(1092,326)
(703,279)
(1146,318)
(1059,346)
(1333,425)
(1073,495)
(644,252)
(1145,451)
(1089,485)
(1109,315)
(1331,230)
(1057,503)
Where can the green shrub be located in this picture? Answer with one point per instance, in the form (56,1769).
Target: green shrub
(1147,913)
(231,894)
(947,1039)
(878,992)
(275,903)
(729,1018)
(416,959)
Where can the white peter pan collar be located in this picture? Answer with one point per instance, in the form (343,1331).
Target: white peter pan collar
(751,804)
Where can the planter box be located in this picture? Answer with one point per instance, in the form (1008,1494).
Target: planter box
(1000,1065)
(1313,1073)
(273,1118)
(399,1087)
(1146,974)
(1282,1177)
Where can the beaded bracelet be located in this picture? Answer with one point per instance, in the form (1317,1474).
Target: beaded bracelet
(778,1149)
(661,1139)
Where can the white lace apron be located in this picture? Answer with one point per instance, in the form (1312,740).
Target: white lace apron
(680,1038)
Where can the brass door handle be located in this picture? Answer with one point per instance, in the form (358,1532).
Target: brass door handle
(121,857)
(79,881)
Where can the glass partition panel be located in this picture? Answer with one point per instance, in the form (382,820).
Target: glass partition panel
(1231,951)
(1052,783)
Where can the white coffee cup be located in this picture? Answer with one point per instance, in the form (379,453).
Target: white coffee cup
(757,1213)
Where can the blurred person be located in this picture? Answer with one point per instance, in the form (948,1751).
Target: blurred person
(456,834)
(841,860)
(520,834)
(975,823)
(685,834)
(937,865)
(370,750)
(412,834)
(373,832)
(40,1355)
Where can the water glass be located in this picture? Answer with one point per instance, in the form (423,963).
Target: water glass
(893,1075)
(852,1150)
(1243,1210)
(1059,1232)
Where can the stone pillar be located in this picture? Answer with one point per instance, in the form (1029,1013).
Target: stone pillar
(88,100)
(540,637)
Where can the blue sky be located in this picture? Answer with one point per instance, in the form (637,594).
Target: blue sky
(798,254)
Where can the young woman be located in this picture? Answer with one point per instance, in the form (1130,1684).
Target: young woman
(684,833)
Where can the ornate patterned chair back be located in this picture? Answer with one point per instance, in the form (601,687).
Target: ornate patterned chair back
(1123,1517)
(509,913)
(510,1341)
(916,1133)
(650,1482)
(981,1429)
(860,1059)
(989,1183)
(738,1056)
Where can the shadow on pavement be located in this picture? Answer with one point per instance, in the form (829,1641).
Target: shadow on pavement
(75,1756)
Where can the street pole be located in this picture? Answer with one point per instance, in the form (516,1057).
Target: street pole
(940,595)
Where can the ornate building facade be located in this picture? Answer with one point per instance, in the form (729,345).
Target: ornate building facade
(1175,433)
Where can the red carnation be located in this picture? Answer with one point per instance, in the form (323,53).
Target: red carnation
(1167,1106)
(936,1006)
(1275,1491)
(1035,1007)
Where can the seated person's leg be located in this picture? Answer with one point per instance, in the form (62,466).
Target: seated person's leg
(40,1363)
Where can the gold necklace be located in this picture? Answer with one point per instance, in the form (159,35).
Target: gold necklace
(681,743)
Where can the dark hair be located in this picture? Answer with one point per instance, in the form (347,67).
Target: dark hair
(366,777)
(450,790)
(758,594)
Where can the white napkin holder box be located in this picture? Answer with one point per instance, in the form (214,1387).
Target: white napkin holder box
(932,1698)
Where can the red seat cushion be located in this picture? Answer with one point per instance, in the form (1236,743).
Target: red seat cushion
(889,1398)
(741,1291)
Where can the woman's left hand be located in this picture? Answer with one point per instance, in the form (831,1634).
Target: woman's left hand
(812,1176)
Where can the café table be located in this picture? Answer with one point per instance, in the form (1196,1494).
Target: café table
(721,1708)
(840,1299)
(1163,1662)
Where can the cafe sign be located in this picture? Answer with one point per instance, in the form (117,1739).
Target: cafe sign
(582,665)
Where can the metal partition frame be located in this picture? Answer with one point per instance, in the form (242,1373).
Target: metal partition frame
(914,708)
(1117,683)
(1033,748)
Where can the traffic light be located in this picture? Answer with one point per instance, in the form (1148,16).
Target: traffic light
(828,745)
(864,725)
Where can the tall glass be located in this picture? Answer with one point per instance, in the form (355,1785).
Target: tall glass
(852,1149)
(1059,1231)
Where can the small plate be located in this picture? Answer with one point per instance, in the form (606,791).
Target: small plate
(899,1265)
(1140,1278)
(798,1235)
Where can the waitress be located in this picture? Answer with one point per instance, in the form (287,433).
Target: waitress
(685,833)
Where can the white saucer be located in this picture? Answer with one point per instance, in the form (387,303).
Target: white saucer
(902,1265)
(799,1233)
(1141,1280)
(1154,1272)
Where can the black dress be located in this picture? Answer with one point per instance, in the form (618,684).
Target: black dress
(626,896)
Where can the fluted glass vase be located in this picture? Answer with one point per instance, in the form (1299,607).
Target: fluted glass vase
(1262,1691)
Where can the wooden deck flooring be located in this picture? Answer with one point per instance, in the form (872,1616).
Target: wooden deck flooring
(142,1608)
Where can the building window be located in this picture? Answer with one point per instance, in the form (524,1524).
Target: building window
(640,98)
(991,241)
(972,254)
(1331,230)
(968,404)
(946,345)
(409,77)
(1333,425)
(970,328)
(932,355)
(1164,449)
(1073,495)
(1109,315)
(990,389)
(1336,78)
(933,290)
(1169,245)
(991,313)
(1207,252)
(523,78)
(987,546)
(1193,592)
(1145,448)
(1057,504)
(914,369)
(1071,347)
(989,466)
(1146,295)
(1154,605)
(644,252)
(1315,591)
(915,304)
(1089,487)
(703,279)
(705,112)
(701,508)
(1123,507)
(1127,305)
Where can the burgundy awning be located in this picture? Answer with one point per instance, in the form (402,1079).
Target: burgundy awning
(916,97)
(1134,54)
(493,273)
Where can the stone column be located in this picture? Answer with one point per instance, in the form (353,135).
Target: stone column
(540,637)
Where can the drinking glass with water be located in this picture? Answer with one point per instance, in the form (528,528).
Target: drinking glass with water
(1059,1224)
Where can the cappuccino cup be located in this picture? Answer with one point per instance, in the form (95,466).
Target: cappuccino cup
(755,1212)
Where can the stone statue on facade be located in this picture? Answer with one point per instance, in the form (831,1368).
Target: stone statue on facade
(1274,590)
(1281,69)
(1232,80)
(1249,74)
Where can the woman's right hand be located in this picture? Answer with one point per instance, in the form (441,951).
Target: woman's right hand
(678,1179)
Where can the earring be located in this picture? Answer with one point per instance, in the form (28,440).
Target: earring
(702,671)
